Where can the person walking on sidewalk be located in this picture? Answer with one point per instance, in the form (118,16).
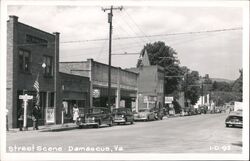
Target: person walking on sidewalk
(35,117)
(75,113)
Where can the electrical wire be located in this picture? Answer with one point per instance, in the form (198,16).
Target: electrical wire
(135,37)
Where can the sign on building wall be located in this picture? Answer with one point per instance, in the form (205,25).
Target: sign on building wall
(169,99)
(149,99)
(50,115)
(96,93)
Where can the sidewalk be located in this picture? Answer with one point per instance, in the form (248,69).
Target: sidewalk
(47,128)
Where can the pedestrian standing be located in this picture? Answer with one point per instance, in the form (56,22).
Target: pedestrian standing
(20,117)
(35,117)
(75,113)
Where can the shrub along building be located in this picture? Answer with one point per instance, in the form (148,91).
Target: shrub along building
(123,83)
(33,54)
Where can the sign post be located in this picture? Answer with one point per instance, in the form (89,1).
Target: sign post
(25,99)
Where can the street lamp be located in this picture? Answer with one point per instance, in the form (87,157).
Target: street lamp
(44,65)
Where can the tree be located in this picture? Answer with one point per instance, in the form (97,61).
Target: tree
(165,56)
(192,86)
(237,86)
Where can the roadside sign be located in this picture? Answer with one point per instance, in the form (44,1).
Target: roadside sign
(169,99)
(96,93)
(25,97)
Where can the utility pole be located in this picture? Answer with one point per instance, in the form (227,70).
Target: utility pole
(110,16)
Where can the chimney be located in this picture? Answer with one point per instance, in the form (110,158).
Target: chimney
(13,18)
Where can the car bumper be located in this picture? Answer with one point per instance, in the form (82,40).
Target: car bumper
(86,124)
(140,118)
(119,120)
(240,124)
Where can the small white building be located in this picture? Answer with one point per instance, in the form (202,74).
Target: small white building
(203,100)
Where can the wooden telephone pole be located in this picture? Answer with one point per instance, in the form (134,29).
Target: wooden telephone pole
(110,16)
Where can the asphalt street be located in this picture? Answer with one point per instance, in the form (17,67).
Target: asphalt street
(189,134)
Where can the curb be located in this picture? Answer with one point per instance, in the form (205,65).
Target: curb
(46,129)
(57,129)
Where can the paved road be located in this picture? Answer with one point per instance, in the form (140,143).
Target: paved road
(191,134)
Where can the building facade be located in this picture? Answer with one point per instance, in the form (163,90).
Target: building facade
(74,89)
(28,49)
(123,83)
(150,84)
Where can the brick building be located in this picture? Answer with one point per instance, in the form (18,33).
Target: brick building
(27,49)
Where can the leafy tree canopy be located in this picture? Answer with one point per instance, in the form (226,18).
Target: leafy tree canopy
(165,56)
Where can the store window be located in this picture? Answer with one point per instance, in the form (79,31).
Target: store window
(48,70)
(24,61)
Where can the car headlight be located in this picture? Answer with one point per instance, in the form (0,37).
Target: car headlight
(122,115)
(93,118)
(79,119)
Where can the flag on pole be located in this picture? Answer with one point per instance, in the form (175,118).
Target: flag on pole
(36,86)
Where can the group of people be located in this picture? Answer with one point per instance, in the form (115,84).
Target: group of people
(36,113)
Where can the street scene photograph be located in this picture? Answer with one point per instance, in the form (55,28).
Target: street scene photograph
(126,78)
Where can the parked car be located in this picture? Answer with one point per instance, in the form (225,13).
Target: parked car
(234,119)
(95,116)
(144,114)
(123,115)
(159,113)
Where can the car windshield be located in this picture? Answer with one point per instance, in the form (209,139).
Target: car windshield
(143,110)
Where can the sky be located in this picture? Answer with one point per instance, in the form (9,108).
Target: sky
(218,54)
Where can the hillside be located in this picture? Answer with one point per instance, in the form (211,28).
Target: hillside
(222,80)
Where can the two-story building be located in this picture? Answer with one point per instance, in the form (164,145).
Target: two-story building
(150,83)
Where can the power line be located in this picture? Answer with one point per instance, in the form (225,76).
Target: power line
(136,37)
(136,25)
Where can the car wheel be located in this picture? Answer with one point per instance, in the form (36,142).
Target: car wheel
(227,125)
(80,126)
(132,122)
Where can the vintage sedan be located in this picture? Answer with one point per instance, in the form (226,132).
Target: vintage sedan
(234,119)
(144,115)
(96,116)
(123,115)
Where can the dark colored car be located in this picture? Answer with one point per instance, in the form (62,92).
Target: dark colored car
(122,115)
(95,116)
(234,119)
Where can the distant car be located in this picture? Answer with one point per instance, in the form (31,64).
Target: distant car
(234,119)
(144,114)
(123,115)
(159,113)
(95,116)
